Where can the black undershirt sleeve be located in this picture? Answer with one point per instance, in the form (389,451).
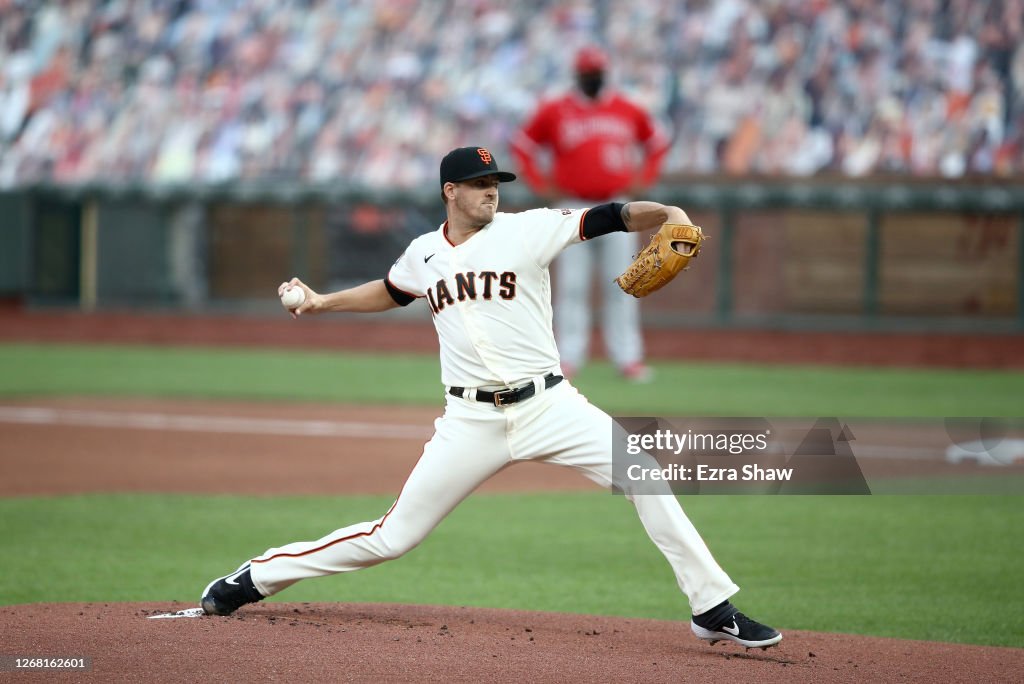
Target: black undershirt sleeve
(603,219)
(401,298)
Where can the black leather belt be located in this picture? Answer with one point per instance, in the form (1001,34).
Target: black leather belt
(507,396)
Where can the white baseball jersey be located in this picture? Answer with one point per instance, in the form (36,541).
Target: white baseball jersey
(491,295)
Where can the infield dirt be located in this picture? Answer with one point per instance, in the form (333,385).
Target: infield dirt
(395,643)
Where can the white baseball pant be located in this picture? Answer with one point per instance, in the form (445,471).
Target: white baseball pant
(472,442)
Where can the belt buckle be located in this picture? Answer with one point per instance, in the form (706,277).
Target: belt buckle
(500,397)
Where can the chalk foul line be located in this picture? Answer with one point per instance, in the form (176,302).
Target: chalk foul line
(32,415)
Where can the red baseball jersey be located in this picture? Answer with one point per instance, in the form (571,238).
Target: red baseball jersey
(599,148)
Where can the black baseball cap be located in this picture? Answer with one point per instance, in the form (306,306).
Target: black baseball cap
(466,163)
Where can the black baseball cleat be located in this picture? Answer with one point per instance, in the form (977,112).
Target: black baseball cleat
(225,595)
(738,628)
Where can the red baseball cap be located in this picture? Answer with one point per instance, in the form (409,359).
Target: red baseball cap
(591,59)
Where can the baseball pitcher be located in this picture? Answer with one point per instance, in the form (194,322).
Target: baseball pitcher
(484,277)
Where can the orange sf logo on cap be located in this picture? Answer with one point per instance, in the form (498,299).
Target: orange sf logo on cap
(485,156)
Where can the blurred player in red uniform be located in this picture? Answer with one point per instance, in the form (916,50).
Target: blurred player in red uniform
(602,147)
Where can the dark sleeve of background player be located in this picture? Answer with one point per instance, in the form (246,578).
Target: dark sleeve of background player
(603,219)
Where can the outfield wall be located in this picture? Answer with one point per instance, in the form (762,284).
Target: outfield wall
(849,256)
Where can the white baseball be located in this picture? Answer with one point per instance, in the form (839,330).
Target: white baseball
(293,297)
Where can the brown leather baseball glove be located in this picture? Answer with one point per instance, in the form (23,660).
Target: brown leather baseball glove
(670,252)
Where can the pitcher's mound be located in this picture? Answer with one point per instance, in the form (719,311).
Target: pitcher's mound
(395,643)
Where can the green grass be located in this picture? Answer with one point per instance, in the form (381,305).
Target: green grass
(680,389)
(935,568)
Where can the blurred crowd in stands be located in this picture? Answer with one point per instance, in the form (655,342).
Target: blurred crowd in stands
(375,91)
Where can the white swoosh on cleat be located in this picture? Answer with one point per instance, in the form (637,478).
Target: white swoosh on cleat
(734,630)
(233,579)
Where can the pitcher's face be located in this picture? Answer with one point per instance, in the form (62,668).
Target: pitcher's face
(477,199)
